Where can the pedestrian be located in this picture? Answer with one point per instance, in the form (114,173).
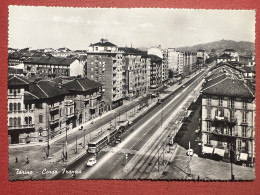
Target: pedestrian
(16,160)
(198,178)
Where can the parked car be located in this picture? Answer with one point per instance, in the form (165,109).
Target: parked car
(189,152)
(91,162)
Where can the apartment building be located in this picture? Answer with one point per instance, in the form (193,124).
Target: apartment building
(137,72)
(156,71)
(105,65)
(228,116)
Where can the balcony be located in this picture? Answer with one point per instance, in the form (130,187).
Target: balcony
(26,126)
(69,115)
(54,121)
(54,107)
(224,120)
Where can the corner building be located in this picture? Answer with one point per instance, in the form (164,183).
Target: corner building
(228,112)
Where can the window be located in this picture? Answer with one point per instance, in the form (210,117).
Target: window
(243,131)
(19,106)
(208,100)
(208,113)
(71,110)
(19,121)
(232,114)
(40,118)
(26,120)
(10,107)
(10,121)
(30,120)
(220,101)
(239,144)
(208,126)
(244,117)
(14,106)
(19,91)
(229,129)
(11,90)
(244,104)
(208,139)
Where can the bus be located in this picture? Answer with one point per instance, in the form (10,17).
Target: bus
(96,144)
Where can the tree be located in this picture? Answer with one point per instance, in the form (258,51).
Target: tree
(170,73)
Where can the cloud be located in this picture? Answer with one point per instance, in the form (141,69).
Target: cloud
(192,28)
(116,22)
(146,25)
(72,19)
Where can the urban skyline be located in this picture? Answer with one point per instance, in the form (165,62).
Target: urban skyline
(139,27)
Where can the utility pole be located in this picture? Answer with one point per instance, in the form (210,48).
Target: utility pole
(66,145)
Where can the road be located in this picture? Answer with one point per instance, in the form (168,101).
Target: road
(112,159)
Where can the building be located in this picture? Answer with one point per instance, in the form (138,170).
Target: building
(228,55)
(137,72)
(173,60)
(86,96)
(202,56)
(156,71)
(35,110)
(228,112)
(51,67)
(163,54)
(105,65)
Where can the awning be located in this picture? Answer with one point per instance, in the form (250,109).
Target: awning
(207,150)
(219,152)
(243,156)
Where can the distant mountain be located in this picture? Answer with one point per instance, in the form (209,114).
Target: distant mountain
(242,47)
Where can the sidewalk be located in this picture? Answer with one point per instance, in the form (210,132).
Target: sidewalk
(55,162)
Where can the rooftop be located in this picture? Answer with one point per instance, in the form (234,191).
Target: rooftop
(81,84)
(14,80)
(225,86)
(49,60)
(103,42)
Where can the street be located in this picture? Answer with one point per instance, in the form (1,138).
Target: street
(112,160)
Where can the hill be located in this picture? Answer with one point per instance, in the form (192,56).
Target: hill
(242,47)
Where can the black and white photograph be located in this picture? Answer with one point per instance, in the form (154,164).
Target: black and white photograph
(131,94)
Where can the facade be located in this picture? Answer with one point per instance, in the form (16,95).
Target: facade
(51,67)
(156,71)
(202,56)
(105,65)
(163,54)
(86,97)
(228,112)
(173,60)
(137,69)
(34,110)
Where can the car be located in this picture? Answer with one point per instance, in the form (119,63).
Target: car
(130,123)
(183,86)
(118,140)
(91,162)
(189,152)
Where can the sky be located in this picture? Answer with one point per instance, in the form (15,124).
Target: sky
(77,28)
